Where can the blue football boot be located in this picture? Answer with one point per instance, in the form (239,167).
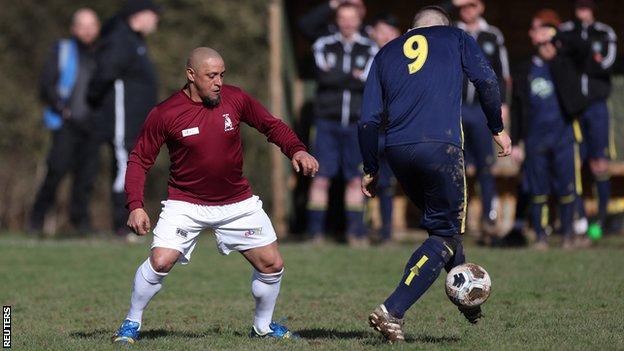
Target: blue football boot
(128,332)
(278,331)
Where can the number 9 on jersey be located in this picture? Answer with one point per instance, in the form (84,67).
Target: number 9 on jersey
(416,48)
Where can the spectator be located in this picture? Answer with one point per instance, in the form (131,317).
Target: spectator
(478,148)
(342,63)
(385,28)
(598,50)
(64,83)
(318,21)
(124,89)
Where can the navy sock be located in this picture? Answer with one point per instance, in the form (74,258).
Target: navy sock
(316,222)
(566,217)
(385,207)
(421,271)
(603,185)
(488,192)
(355,223)
(580,207)
(539,218)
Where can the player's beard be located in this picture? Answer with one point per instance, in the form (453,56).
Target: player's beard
(210,103)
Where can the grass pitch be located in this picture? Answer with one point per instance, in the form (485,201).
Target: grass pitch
(72,295)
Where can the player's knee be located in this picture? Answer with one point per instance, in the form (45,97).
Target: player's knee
(274,266)
(319,191)
(162,264)
(599,167)
(268,278)
(353,194)
(452,244)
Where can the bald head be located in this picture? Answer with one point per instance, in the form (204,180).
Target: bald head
(431,16)
(201,55)
(85,25)
(205,70)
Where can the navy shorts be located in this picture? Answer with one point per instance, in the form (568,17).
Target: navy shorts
(478,147)
(433,177)
(336,148)
(595,128)
(553,166)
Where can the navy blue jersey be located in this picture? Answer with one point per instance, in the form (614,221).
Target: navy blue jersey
(547,120)
(415,83)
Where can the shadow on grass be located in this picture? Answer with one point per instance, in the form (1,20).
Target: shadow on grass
(147,334)
(332,334)
(371,338)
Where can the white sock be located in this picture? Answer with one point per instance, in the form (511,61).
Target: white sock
(147,283)
(265,289)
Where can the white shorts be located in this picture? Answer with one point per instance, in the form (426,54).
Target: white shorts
(239,226)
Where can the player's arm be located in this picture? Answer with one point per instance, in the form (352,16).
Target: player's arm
(504,76)
(48,81)
(278,133)
(331,75)
(481,74)
(111,61)
(602,62)
(314,23)
(368,130)
(519,119)
(142,158)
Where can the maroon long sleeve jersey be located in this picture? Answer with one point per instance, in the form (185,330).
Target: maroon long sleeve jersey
(205,147)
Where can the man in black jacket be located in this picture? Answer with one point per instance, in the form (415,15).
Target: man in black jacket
(597,43)
(342,63)
(64,83)
(124,89)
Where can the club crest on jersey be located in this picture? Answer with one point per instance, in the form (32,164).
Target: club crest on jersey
(228,122)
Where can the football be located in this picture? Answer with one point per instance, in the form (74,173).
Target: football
(468,285)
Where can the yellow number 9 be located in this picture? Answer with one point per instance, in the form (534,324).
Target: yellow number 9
(418,53)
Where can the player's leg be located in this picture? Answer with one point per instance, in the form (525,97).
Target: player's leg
(351,162)
(325,150)
(442,175)
(438,169)
(565,183)
(265,284)
(58,163)
(175,236)
(537,167)
(250,232)
(597,135)
(85,167)
(484,159)
(118,198)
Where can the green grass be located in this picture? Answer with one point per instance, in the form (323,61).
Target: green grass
(71,295)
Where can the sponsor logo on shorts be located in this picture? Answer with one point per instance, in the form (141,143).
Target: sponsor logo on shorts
(251,232)
(181,233)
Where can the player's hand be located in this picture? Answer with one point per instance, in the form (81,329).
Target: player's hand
(504,142)
(358,74)
(303,161)
(139,221)
(369,184)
